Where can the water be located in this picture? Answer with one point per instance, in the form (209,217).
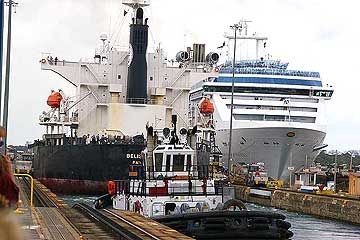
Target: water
(307,227)
(303,226)
(72,199)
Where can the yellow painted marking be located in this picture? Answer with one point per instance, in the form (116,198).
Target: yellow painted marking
(32,185)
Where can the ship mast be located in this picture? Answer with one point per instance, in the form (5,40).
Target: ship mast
(243,35)
(135,4)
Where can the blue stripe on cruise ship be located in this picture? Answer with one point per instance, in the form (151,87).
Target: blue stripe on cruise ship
(286,81)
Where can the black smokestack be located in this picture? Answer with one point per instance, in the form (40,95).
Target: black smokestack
(137,71)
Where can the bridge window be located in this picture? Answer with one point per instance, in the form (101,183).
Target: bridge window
(168,159)
(158,161)
(178,162)
(188,162)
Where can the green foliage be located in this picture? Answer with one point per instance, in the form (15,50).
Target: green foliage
(327,158)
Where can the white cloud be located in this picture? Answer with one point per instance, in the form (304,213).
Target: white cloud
(311,34)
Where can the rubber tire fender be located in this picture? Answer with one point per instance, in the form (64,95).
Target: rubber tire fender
(234,203)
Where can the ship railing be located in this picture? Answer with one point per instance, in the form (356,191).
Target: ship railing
(50,60)
(258,63)
(116,140)
(31,185)
(269,71)
(158,189)
(146,101)
(196,172)
(160,172)
(181,180)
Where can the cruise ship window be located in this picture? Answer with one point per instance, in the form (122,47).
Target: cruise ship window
(259,90)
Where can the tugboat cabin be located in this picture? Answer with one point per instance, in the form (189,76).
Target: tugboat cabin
(174,161)
(173,182)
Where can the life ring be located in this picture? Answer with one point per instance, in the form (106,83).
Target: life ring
(43,60)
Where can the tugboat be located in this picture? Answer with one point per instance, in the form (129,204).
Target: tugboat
(174,185)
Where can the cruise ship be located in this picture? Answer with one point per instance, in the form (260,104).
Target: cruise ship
(278,116)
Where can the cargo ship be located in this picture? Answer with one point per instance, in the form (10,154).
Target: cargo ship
(93,137)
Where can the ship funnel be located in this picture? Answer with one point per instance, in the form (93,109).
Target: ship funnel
(212,58)
(137,71)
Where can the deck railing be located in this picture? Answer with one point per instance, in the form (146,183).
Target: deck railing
(142,188)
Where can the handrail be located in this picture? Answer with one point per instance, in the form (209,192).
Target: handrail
(269,71)
(31,187)
(141,188)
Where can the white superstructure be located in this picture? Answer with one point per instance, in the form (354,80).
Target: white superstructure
(173,183)
(278,114)
(102,104)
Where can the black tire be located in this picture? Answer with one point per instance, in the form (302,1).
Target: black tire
(234,203)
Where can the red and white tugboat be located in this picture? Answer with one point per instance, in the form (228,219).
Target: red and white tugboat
(174,184)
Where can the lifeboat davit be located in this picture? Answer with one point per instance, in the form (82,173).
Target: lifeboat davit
(54,100)
(206,107)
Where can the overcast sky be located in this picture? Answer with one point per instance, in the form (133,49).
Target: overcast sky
(319,35)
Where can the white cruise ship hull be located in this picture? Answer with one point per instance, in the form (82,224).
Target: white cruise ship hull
(272,146)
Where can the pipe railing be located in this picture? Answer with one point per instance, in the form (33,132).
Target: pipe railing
(31,185)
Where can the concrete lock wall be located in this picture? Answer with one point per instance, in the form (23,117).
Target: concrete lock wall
(330,207)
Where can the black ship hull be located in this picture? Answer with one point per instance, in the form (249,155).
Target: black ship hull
(83,169)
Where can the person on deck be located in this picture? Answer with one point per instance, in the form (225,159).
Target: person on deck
(8,188)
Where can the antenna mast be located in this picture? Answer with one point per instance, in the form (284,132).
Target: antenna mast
(135,4)
(243,35)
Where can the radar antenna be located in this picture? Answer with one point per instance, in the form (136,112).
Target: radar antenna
(135,4)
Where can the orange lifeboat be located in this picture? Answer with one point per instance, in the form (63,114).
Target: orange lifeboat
(54,100)
(206,107)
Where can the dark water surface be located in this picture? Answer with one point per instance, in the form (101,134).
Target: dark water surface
(303,226)
(308,227)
